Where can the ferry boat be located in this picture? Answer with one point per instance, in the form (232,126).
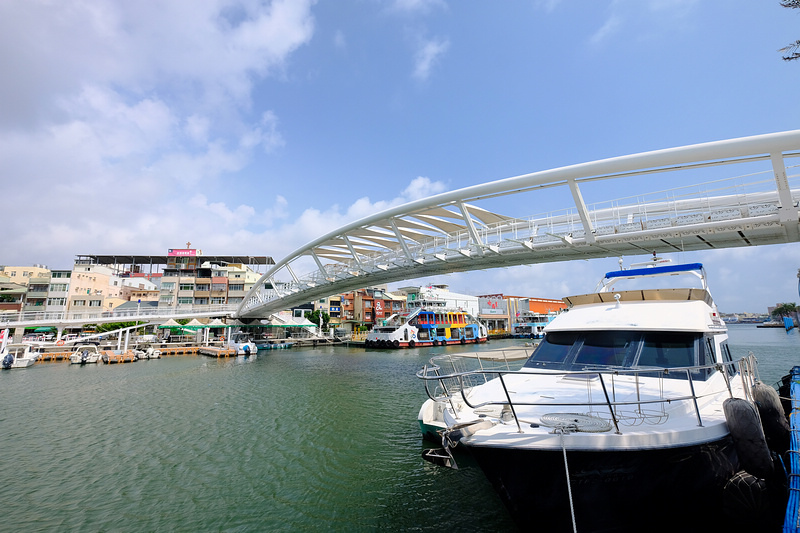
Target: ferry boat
(427,327)
(630,414)
(530,325)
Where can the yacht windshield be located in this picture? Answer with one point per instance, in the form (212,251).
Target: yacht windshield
(608,348)
(578,350)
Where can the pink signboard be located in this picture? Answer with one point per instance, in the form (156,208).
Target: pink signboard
(182,252)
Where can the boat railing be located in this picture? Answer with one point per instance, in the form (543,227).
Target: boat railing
(477,367)
(449,385)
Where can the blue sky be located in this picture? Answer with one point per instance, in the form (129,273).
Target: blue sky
(250,127)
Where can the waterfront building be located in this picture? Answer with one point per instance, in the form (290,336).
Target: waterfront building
(12,295)
(517,315)
(364,308)
(94,289)
(432,296)
(493,311)
(23,274)
(58,291)
(38,286)
(333,306)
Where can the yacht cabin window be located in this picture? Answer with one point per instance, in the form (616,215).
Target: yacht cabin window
(579,350)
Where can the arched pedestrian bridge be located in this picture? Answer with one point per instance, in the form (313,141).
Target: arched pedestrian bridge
(737,192)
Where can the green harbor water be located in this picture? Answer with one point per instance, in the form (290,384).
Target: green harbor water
(317,439)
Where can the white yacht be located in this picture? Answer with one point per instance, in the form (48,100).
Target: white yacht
(20,355)
(631,411)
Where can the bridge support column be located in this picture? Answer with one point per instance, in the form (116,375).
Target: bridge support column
(788,212)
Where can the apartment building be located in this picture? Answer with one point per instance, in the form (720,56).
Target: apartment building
(189,278)
(94,289)
(12,294)
(365,307)
(58,291)
(23,274)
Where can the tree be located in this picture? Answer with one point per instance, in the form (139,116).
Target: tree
(793,50)
(314,317)
(113,326)
(785,309)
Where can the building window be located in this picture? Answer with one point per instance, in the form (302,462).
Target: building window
(58,287)
(79,303)
(168,286)
(166,300)
(217,300)
(236,287)
(56,301)
(185,300)
(95,303)
(186,287)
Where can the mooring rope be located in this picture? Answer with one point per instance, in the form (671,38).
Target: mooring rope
(569,487)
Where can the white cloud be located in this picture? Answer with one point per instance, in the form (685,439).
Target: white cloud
(417,6)
(113,115)
(612,24)
(427,55)
(643,18)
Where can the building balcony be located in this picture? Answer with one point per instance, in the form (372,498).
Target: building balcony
(37,294)
(202,294)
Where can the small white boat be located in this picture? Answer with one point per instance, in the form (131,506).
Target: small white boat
(85,354)
(148,353)
(631,411)
(242,343)
(18,356)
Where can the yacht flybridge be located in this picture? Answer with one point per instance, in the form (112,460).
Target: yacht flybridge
(618,418)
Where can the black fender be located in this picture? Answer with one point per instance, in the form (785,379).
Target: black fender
(748,437)
(773,420)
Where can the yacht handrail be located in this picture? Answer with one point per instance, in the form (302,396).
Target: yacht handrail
(746,370)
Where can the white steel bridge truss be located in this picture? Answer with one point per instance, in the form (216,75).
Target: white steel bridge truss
(451,232)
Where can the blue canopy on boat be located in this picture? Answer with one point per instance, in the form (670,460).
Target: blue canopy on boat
(654,270)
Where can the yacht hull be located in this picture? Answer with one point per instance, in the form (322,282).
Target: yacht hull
(612,490)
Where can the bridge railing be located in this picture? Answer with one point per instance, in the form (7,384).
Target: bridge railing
(47,317)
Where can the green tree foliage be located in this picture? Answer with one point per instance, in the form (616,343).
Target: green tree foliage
(314,317)
(793,50)
(102,328)
(785,309)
